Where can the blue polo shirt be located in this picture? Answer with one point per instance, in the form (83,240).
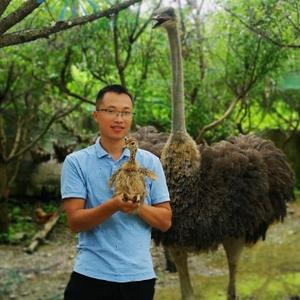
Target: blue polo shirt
(117,250)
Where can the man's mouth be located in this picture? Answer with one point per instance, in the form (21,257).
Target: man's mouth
(117,128)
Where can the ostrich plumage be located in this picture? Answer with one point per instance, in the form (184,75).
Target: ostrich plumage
(241,188)
(226,193)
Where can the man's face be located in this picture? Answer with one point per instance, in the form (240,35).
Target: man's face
(111,122)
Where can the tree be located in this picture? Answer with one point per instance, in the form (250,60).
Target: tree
(221,72)
(57,71)
(28,109)
(275,21)
(15,18)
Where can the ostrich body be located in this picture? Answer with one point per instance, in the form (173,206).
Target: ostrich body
(227,193)
(129,180)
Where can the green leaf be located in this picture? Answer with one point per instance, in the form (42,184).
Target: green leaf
(291,81)
(93,5)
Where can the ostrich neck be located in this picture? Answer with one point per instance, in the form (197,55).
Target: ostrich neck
(132,155)
(178,118)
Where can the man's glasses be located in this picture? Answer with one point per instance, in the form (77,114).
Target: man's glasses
(113,113)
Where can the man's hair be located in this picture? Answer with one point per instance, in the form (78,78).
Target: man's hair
(115,88)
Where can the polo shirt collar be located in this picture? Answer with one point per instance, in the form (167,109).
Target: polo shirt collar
(101,152)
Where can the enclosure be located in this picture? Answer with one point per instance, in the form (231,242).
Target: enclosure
(240,76)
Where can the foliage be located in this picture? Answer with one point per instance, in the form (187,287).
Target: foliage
(276,21)
(22,225)
(22,22)
(226,62)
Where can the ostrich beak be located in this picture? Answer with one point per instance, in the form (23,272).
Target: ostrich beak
(158,21)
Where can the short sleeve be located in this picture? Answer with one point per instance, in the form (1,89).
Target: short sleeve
(159,192)
(72,180)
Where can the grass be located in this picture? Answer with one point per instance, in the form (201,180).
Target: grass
(251,286)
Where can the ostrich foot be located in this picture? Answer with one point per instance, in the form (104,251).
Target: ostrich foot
(134,199)
(138,199)
(125,197)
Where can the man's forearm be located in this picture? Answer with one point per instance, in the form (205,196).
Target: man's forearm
(85,219)
(159,216)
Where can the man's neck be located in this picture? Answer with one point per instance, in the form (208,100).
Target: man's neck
(114,148)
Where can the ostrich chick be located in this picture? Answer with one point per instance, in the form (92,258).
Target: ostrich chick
(129,180)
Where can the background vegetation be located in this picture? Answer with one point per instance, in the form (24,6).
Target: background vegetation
(241,64)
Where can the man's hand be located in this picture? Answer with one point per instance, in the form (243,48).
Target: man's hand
(128,206)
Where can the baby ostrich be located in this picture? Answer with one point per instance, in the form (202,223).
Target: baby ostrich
(227,193)
(129,180)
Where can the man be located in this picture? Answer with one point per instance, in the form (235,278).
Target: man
(113,260)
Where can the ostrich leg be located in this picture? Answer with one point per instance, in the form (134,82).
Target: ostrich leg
(179,257)
(233,249)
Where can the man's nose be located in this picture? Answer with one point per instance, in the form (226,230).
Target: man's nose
(119,117)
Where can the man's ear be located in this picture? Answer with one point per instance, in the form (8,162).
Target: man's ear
(94,113)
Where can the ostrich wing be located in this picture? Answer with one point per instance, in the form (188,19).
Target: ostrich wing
(148,173)
(113,178)
(280,175)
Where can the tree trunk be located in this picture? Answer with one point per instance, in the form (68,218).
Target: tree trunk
(42,234)
(4,222)
(4,193)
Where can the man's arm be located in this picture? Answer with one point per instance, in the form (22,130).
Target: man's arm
(83,219)
(158,216)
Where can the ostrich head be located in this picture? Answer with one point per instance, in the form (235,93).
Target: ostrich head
(131,143)
(165,17)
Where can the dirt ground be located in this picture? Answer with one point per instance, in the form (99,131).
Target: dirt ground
(43,275)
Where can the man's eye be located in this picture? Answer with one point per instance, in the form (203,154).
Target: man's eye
(126,113)
(111,111)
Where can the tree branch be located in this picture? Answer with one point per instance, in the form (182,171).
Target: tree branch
(291,134)
(119,65)
(15,171)
(3,139)
(9,82)
(56,116)
(262,33)
(18,15)
(63,84)
(3,6)
(17,139)
(143,27)
(217,122)
(23,36)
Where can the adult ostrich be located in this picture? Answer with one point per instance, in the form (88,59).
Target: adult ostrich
(227,193)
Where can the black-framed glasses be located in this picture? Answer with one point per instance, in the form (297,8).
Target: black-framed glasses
(113,113)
